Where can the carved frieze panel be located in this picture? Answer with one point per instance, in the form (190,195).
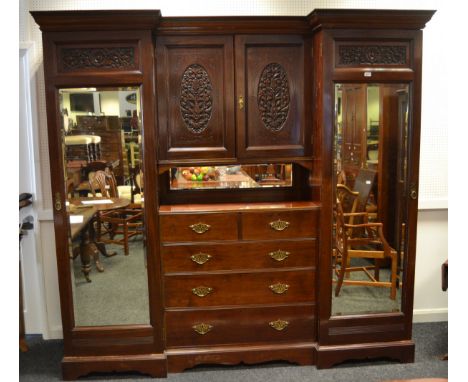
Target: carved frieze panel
(355,55)
(273,96)
(196,99)
(105,58)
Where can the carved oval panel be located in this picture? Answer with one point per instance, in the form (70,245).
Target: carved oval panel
(196,100)
(273,96)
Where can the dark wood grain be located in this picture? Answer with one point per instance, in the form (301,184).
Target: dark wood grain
(240,288)
(255,137)
(213,55)
(238,256)
(237,326)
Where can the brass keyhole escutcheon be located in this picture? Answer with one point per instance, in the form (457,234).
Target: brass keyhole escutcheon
(58,201)
(241,102)
(413,193)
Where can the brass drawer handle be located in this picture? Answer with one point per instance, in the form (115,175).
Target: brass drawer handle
(202,328)
(279,255)
(279,324)
(279,288)
(279,225)
(200,227)
(202,291)
(200,258)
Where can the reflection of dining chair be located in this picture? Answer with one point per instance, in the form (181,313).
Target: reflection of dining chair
(371,245)
(119,225)
(363,184)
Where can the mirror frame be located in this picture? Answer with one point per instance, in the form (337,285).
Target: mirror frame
(387,334)
(129,339)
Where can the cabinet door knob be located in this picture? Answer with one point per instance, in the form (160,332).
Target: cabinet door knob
(241,102)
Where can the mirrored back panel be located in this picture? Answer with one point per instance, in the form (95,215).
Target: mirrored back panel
(370,214)
(101,142)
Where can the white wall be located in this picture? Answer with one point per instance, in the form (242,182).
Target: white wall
(433,187)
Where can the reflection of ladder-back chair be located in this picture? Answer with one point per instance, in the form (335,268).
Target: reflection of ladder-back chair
(372,245)
(124,222)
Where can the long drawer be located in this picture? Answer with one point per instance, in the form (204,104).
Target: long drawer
(279,224)
(242,288)
(199,227)
(239,255)
(246,325)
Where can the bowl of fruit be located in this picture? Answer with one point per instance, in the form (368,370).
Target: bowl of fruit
(200,174)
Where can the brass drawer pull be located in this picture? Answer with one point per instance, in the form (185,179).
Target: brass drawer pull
(279,324)
(200,227)
(279,288)
(200,258)
(202,328)
(279,255)
(202,291)
(279,225)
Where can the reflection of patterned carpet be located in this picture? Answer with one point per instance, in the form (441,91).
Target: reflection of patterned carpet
(117,296)
(362,299)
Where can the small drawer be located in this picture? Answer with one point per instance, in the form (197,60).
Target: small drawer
(198,227)
(279,225)
(238,255)
(229,289)
(246,325)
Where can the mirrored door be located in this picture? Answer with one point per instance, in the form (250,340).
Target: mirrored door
(370,217)
(102,161)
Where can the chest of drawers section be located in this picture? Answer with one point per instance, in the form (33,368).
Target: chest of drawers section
(239,276)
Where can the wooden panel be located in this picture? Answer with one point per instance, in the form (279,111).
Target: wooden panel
(239,255)
(195,87)
(371,53)
(270,78)
(258,225)
(177,228)
(240,288)
(245,325)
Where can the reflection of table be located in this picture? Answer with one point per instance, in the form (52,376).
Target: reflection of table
(90,247)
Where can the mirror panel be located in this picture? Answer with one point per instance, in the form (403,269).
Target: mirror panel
(101,131)
(228,177)
(370,162)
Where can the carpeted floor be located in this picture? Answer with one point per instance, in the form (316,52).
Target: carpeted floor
(42,363)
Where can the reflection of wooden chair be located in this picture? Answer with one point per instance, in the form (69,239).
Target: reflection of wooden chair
(370,246)
(120,224)
(363,184)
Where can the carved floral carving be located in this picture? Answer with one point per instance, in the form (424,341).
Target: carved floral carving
(196,100)
(372,55)
(273,96)
(97,58)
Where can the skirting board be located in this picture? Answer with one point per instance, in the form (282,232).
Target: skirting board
(430,315)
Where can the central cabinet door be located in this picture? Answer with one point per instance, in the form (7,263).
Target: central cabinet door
(270,96)
(195,78)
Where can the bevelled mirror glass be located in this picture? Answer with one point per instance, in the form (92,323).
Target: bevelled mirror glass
(370,163)
(101,138)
